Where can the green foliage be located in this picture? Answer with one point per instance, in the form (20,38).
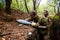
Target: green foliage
(50,9)
(55,1)
(56,17)
(40,9)
(2,4)
(19,4)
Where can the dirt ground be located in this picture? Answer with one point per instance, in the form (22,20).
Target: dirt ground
(11,30)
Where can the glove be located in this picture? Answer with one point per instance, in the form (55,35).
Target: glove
(33,24)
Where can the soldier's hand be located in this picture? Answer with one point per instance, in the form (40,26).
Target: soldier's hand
(35,24)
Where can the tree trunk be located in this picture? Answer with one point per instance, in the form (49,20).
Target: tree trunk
(26,6)
(38,4)
(54,9)
(8,6)
(58,10)
(34,3)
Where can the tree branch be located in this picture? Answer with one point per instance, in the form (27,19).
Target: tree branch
(38,4)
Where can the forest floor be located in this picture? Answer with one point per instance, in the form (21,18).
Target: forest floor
(11,30)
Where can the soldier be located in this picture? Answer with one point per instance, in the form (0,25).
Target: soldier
(36,19)
(45,21)
(55,28)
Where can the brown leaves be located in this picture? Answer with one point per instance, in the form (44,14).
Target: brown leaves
(8,25)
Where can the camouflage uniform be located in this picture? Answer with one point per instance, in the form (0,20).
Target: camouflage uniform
(55,28)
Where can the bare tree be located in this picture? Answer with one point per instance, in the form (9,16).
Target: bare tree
(8,6)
